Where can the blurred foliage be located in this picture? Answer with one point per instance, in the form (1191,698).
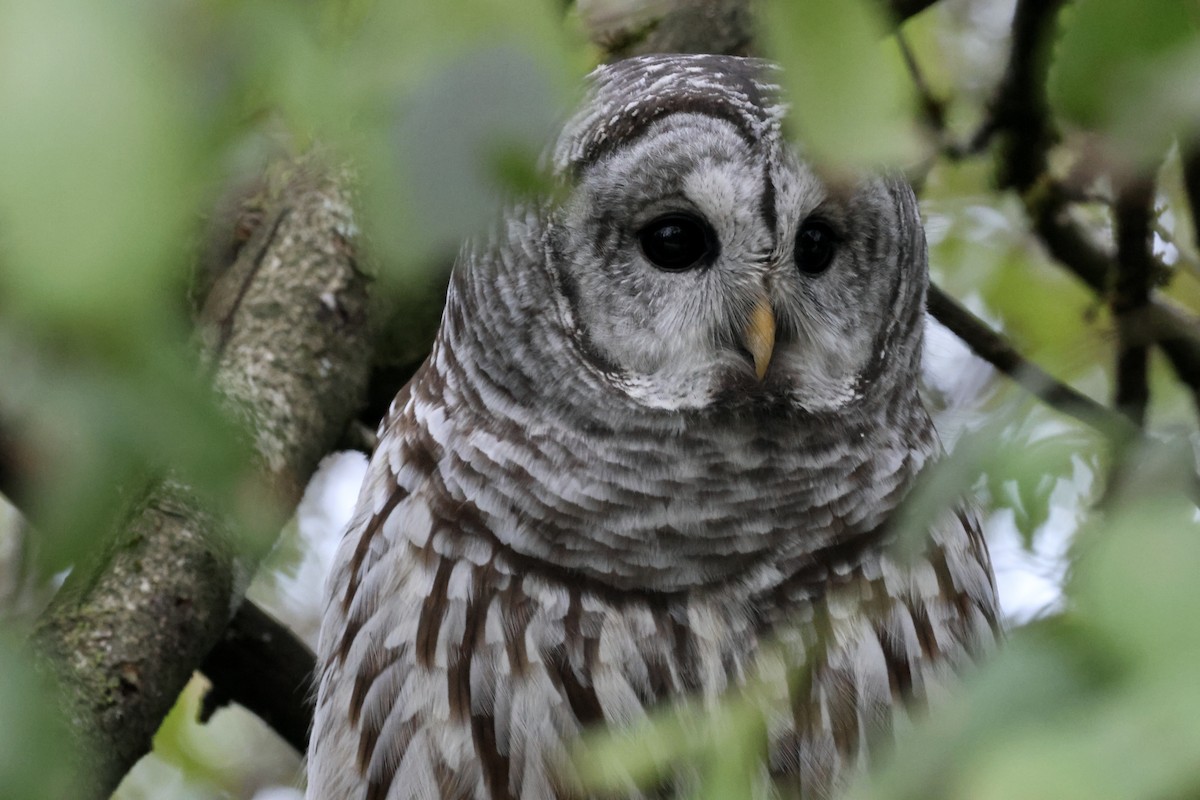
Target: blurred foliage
(233,755)
(121,123)
(980,246)
(848,112)
(1128,69)
(35,757)
(118,127)
(721,743)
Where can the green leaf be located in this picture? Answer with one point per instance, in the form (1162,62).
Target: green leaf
(1104,41)
(1115,58)
(102,427)
(851,103)
(721,744)
(1102,701)
(1034,677)
(1150,550)
(449,155)
(96,157)
(429,95)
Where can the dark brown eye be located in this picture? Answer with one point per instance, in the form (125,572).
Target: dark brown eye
(815,245)
(677,242)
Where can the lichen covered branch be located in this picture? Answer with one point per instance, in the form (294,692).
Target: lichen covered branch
(289,354)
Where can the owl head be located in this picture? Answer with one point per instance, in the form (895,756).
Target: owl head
(704,262)
(694,262)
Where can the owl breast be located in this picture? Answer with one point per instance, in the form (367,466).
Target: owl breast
(464,667)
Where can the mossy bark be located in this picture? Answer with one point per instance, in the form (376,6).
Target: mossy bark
(285,329)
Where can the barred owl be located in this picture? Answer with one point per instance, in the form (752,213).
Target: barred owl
(663,427)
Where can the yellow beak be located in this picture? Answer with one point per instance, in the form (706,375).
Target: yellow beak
(759,336)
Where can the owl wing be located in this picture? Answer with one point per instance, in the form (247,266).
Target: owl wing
(381,681)
(429,684)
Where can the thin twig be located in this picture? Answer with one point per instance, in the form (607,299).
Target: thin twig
(933,108)
(903,9)
(992,347)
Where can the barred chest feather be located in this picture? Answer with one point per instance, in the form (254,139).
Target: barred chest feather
(456,666)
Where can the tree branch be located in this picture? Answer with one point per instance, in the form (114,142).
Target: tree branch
(1067,242)
(932,108)
(289,355)
(259,664)
(1174,330)
(1020,115)
(1131,295)
(1020,110)
(1191,184)
(993,348)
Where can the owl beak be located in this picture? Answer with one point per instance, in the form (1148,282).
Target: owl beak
(759,336)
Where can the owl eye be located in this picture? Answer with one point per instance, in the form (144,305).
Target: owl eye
(815,246)
(677,242)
